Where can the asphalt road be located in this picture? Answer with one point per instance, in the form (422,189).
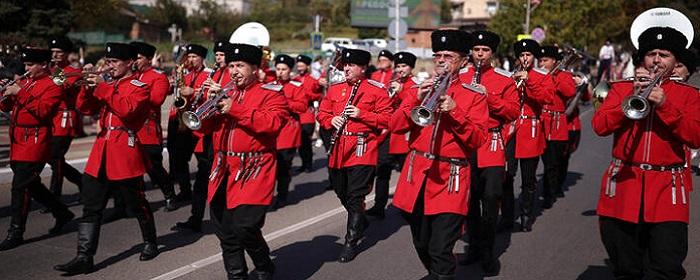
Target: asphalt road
(306,236)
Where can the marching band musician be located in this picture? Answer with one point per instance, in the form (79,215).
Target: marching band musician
(358,109)
(314,92)
(151,134)
(222,75)
(289,138)
(392,152)
(644,197)
(489,172)
(242,178)
(555,125)
(117,161)
(67,123)
(385,71)
(526,139)
(186,142)
(33,101)
(433,189)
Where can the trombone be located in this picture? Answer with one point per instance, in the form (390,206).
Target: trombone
(636,106)
(424,114)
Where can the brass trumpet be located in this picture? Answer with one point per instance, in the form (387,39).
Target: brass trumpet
(193,119)
(25,75)
(424,114)
(59,77)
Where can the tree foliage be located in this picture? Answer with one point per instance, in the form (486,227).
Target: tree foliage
(33,21)
(100,15)
(167,12)
(582,24)
(213,22)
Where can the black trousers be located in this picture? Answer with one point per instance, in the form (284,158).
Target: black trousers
(485,194)
(553,159)
(571,147)
(239,230)
(96,192)
(645,250)
(305,150)
(59,167)
(528,167)
(385,164)
(284,172)
(351,185)
(26,183)
(159,176)
(325,135)
(434,237)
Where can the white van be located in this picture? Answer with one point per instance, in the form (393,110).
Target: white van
(331,42)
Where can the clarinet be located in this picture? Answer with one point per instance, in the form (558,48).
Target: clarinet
(344,117)
(200,92)
(476,79)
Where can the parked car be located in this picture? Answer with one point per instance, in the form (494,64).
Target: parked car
(362,45)
(330,44)
(376,42)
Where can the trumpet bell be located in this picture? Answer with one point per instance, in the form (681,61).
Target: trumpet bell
(635,107)
(191,120)
(422,116)
(600,92)
(180,102)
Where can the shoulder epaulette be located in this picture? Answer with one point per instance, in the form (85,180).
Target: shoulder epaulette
(473,88)
(687,84)
(503,72)
(464,70)
(375,83)
(138,83)
(415,80)
(273,87)
(158,71)
(295,83)
(540,70)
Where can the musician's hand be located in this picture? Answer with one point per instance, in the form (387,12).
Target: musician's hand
(12,90)
(337,122)
(225,105)
(642,78)
(520,75)
(424,89)
(396,86)
(447,103)
(186,91)
(657,96)
(322,82)
(93,79)
(156,60)
(352,111)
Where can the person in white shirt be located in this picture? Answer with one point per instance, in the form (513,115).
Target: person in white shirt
(605,56)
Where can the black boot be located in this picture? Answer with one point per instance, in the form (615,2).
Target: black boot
(473,255)
(14,238)
(169,192)
(376,211)
(148,231)
(435,276)
(357,222)
(62,218)
(235,266)
(88,236)
(190,224)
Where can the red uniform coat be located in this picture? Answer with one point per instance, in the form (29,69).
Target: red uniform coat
(398,142)
(459,133)
(123,106)
(658,139)
(252,125)
(375,111)
(539,91)
(194,79)
(502,99)
(67,121)
(152,133)
(33,108)
(553,117)
(290,136)
(314,92)
(382,76)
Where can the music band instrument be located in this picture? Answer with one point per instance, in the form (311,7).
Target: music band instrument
(344,117)
(636,106)
(424,114)
(193,119)
(476,79)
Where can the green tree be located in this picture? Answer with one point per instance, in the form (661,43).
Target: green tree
(445,11)
(214,21)
(167,12)
(100,15)
(33,21)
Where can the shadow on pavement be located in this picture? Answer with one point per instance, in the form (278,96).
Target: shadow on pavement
(318,251)
(596,272)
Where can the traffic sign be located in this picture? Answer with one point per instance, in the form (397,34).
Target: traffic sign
(402,28)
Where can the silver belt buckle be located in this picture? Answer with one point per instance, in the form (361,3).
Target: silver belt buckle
(430,156)
(645,166)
